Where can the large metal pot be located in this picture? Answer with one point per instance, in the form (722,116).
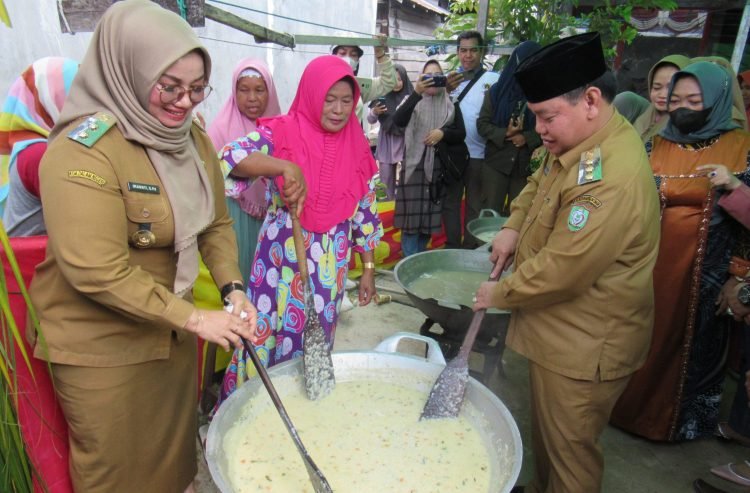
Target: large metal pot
(486,225)
(486,411)
(453,318)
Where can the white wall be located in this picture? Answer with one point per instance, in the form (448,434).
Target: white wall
(36,34)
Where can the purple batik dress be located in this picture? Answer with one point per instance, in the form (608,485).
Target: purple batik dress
(275,286)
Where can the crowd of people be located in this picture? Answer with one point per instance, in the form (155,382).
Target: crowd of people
(626,232)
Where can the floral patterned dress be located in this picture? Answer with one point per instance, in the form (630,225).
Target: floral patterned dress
(275,286)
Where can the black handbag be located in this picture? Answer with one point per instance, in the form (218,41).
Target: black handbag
(454,159)
(451,162)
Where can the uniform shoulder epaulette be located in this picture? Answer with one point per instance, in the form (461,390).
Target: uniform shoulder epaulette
(590,167)
(92,128)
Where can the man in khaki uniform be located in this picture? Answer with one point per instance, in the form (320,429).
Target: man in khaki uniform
(584,235)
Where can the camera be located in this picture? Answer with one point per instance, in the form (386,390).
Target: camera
(439,80)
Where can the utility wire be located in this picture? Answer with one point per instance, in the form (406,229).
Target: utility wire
(289,18)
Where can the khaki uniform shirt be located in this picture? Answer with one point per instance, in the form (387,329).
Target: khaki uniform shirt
(581,293)
(101,301)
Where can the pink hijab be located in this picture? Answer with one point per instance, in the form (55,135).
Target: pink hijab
(337,166)
(231,124)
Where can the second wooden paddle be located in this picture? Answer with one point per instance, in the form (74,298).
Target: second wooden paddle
(448,392)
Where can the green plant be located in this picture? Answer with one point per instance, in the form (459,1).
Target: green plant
(16,470)
(544,21)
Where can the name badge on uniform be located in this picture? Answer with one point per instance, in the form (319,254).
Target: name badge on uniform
(590,167)
(143,187)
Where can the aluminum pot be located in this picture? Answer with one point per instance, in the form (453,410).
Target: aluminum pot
(453,318)
(484,409)
(486,225)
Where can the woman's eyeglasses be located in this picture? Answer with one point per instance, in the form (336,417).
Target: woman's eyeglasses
(171,93)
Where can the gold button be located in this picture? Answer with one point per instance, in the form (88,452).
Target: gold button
(145,212)
(83,135)
(93,126)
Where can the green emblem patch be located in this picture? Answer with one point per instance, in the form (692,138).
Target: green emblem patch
(577,218)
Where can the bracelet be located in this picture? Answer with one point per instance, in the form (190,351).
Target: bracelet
(368,265)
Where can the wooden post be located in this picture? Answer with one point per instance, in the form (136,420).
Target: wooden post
(484,9)
(739,44)
(261,34)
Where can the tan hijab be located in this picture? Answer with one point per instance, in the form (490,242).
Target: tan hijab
(646,124)
(135,42)
(430,112)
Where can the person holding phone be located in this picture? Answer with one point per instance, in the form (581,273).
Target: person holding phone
(469,93)
(369,87)
(390,148)
(429,116)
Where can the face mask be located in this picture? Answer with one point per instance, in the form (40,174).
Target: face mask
(354,64)
(689,121)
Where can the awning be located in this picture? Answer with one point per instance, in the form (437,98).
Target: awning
(428,6)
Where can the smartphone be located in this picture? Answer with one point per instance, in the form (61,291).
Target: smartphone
(468,74)
(439,80)
(377,102)
(517,114)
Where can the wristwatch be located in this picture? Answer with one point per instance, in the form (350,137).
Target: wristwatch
(228,288)
(744,294)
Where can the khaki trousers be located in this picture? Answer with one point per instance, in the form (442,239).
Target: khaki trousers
(568,417)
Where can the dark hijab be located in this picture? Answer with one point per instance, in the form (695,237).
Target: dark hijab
(392,100)
(506,93)
(716,88)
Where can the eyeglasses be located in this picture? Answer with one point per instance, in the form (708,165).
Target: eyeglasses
(170,94)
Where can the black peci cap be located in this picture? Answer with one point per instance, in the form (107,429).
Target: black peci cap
(562,66)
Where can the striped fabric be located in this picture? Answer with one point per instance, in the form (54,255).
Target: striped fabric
(32,107)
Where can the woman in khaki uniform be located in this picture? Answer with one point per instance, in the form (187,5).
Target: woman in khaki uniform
(132,193)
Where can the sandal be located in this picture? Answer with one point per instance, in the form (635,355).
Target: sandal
(736,473)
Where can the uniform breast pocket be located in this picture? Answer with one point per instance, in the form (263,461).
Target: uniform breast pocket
(547,214)
(150,222)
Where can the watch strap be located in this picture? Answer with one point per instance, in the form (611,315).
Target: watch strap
(228,288)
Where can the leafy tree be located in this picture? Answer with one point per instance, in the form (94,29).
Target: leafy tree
(544,20)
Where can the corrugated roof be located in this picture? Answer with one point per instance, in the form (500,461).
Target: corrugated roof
(428,6)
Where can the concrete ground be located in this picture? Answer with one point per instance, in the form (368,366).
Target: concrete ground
(632,464)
